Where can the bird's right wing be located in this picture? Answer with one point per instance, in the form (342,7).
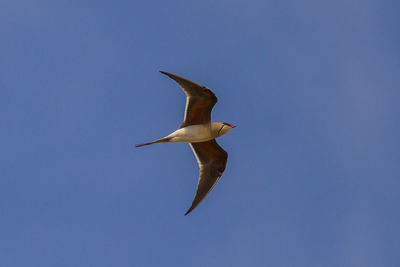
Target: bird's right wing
(212,161)
(199,101)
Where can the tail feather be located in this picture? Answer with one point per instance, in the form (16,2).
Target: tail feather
(145,144)
(163,140)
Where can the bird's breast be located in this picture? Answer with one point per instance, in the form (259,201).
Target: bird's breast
(193,134)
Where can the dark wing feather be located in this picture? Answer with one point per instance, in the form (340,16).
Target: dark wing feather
(199,101)
(212,161)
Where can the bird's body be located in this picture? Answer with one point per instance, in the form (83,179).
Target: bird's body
(198,130)
(196,133)
(193,133)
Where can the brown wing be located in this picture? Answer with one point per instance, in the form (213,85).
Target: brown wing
(199,101)
(212,161)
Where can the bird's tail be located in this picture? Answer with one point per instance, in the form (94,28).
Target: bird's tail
(159,141)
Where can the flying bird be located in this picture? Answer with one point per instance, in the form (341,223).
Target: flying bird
(198,130)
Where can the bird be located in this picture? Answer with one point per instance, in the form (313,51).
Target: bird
(200,132)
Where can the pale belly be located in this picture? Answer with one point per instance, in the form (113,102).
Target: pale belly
(192,134)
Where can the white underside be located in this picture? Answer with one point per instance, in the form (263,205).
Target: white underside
(192,134)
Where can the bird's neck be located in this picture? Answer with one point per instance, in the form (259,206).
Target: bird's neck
(216,129)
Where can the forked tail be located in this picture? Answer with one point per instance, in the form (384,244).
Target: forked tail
(162,140)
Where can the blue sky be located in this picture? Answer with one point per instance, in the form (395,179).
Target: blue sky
(313,175)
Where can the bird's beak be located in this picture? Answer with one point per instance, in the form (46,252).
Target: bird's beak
(233,126)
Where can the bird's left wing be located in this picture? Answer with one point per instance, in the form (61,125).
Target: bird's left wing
(199,101)
(212,161)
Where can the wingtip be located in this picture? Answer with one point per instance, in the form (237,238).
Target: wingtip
(192,207)
(188,211)
(168,74)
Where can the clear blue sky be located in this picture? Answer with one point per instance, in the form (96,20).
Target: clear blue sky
(313,176)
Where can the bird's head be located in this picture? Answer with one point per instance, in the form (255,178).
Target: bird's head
(223,127)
